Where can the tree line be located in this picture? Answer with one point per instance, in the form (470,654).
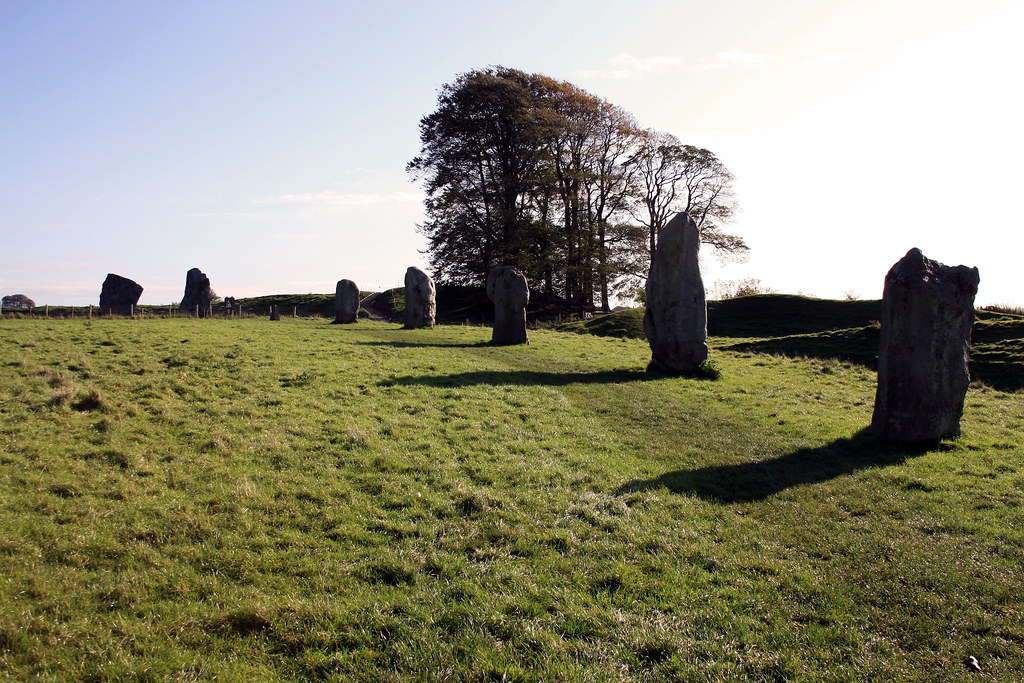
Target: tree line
(525,170)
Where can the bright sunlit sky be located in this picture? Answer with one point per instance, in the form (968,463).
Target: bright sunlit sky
(266,142)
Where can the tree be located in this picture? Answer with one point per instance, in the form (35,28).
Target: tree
(589,152)
(525,170)
(608,190)
(481,163)
(732,289)
(674,177)
(17,301)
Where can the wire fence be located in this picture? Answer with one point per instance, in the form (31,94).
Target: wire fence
(143,312)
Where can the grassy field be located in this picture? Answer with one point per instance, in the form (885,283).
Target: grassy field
(802,327)
(253,500)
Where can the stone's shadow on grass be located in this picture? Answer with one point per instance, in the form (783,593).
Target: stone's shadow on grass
(411,345)
(752,481)
(525,378)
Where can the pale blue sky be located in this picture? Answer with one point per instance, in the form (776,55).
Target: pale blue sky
(265,142)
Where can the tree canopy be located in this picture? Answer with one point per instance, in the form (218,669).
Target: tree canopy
(525,170)
(17,301)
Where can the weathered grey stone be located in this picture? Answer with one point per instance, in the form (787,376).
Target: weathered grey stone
(197,293)
(274,314)
(420,299)
(507,288)
(346,302)
(119,295)
(676,319)
(927,315)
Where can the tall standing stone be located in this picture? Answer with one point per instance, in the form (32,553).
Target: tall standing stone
(119,295)
(197,293)
(923,353)
(507,288)
(676,319)
(420,299)
(346,302)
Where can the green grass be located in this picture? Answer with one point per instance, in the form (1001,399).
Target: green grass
(799,327)
(246,500)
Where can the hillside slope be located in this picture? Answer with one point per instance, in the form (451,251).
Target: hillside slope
(798,326)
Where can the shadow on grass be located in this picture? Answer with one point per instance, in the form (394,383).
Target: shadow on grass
(526,378)
(753,481)
(411,345)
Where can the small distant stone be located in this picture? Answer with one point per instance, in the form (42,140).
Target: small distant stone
(507,288)
(346,302)
(420,299)
(197,293)
(119,295)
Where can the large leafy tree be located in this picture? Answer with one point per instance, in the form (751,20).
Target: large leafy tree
(521,169)
(482,162)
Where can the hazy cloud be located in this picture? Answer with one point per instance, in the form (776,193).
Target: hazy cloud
(743,58)
(630,66)
(344,201)
(294,237)
(225,214)
(629,63)
(54,227)
(69,262)
(833,57)
(53,292)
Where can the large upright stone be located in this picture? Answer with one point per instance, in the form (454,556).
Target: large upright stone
(676,320)
(507,288)
(420,299)
(927,315)
(119,295)
(346,302)
(197,293)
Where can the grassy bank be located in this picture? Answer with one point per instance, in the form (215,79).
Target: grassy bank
(248,500)
(801,327)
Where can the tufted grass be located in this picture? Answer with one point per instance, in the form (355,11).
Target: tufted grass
(248,500)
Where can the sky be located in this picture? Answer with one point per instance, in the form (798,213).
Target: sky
(266,142)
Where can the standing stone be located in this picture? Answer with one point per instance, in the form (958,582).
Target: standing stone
(274,314)
(197,293)
(119,295)
(676,319)
(420,299)
(927,315)
(507,288)
(346,302)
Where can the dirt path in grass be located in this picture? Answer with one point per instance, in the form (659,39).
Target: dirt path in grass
(371,304)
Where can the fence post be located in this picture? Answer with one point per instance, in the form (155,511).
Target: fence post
(46,311)
(90,312)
